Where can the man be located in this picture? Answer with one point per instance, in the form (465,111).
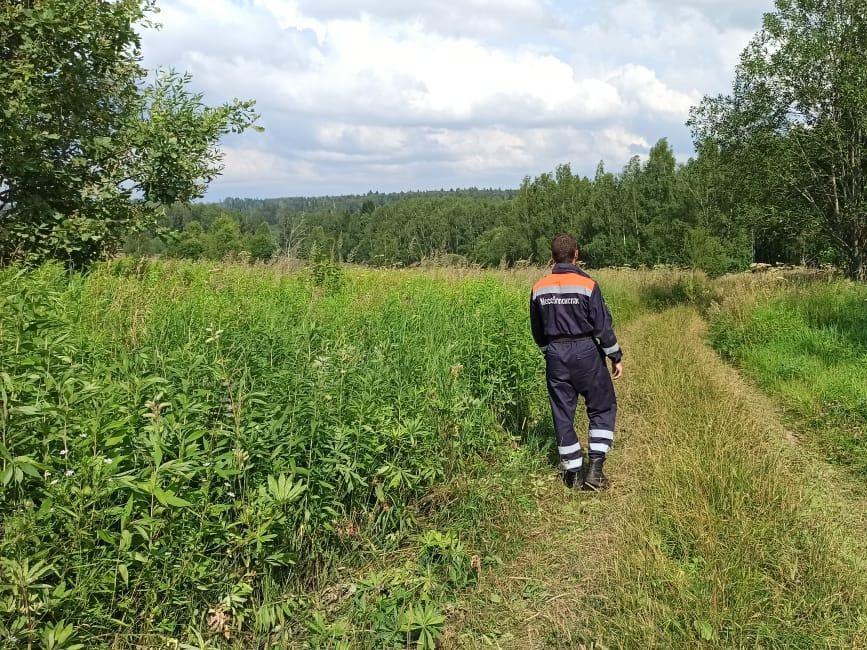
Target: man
(572,326)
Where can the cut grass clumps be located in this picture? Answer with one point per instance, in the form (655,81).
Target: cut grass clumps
(806,343)
(190,449)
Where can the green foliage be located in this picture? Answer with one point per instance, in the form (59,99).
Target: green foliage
(692,288)
(652,213)
(444,554)
(502,244)
(216,237)
(189,452)
(808,346)
(423,624)
(706,252)
(88,149)
(326,274)
(793,130)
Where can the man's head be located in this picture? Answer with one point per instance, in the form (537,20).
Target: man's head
(564,249)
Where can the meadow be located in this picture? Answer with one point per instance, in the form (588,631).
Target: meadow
(804,340)
(201,455)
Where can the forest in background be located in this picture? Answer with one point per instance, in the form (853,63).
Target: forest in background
(779,175)
(652,212)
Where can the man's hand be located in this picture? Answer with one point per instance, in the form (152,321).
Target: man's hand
(617,369)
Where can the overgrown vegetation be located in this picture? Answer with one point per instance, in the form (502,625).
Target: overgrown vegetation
(805,341)
(194,450)
(229,456)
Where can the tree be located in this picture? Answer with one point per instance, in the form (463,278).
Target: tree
(795,125)
(501,244)
(190,243)
(88,150)
(261,244)
(225,239)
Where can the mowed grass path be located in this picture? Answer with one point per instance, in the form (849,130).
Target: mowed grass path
(718,532)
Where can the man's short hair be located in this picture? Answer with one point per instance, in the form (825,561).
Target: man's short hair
(564,249)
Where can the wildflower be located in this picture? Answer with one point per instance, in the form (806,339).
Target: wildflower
(69,472)
(241,457)
(231,494)
(63,452)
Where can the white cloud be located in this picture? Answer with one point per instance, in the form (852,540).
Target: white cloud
(477,18)
(644,89)
(387,95)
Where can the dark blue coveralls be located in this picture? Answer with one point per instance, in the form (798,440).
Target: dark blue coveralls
(573,327)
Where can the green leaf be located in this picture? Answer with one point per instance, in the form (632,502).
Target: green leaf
(705,630)
(168,498)
(123,571)
(27,410)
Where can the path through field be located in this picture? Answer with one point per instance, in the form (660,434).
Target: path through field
(709,537)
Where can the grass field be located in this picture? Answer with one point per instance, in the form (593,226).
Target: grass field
(804,340)
(218,456)
(718,532)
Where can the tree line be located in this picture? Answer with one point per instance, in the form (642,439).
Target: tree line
(651,212)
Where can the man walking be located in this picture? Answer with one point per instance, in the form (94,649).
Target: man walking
(573,327)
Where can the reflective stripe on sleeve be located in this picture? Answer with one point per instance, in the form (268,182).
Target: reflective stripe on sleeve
(612,350)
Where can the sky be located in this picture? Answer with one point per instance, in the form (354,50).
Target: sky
(391,95)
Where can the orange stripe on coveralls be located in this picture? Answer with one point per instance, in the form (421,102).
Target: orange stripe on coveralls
(565,279)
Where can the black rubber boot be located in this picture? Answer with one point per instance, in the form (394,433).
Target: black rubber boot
(573,479)
(594,478)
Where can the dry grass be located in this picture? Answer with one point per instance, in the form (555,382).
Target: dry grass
(718,533)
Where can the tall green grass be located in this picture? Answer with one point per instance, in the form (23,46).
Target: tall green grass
(221,456)
(805,342)
(197,452)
